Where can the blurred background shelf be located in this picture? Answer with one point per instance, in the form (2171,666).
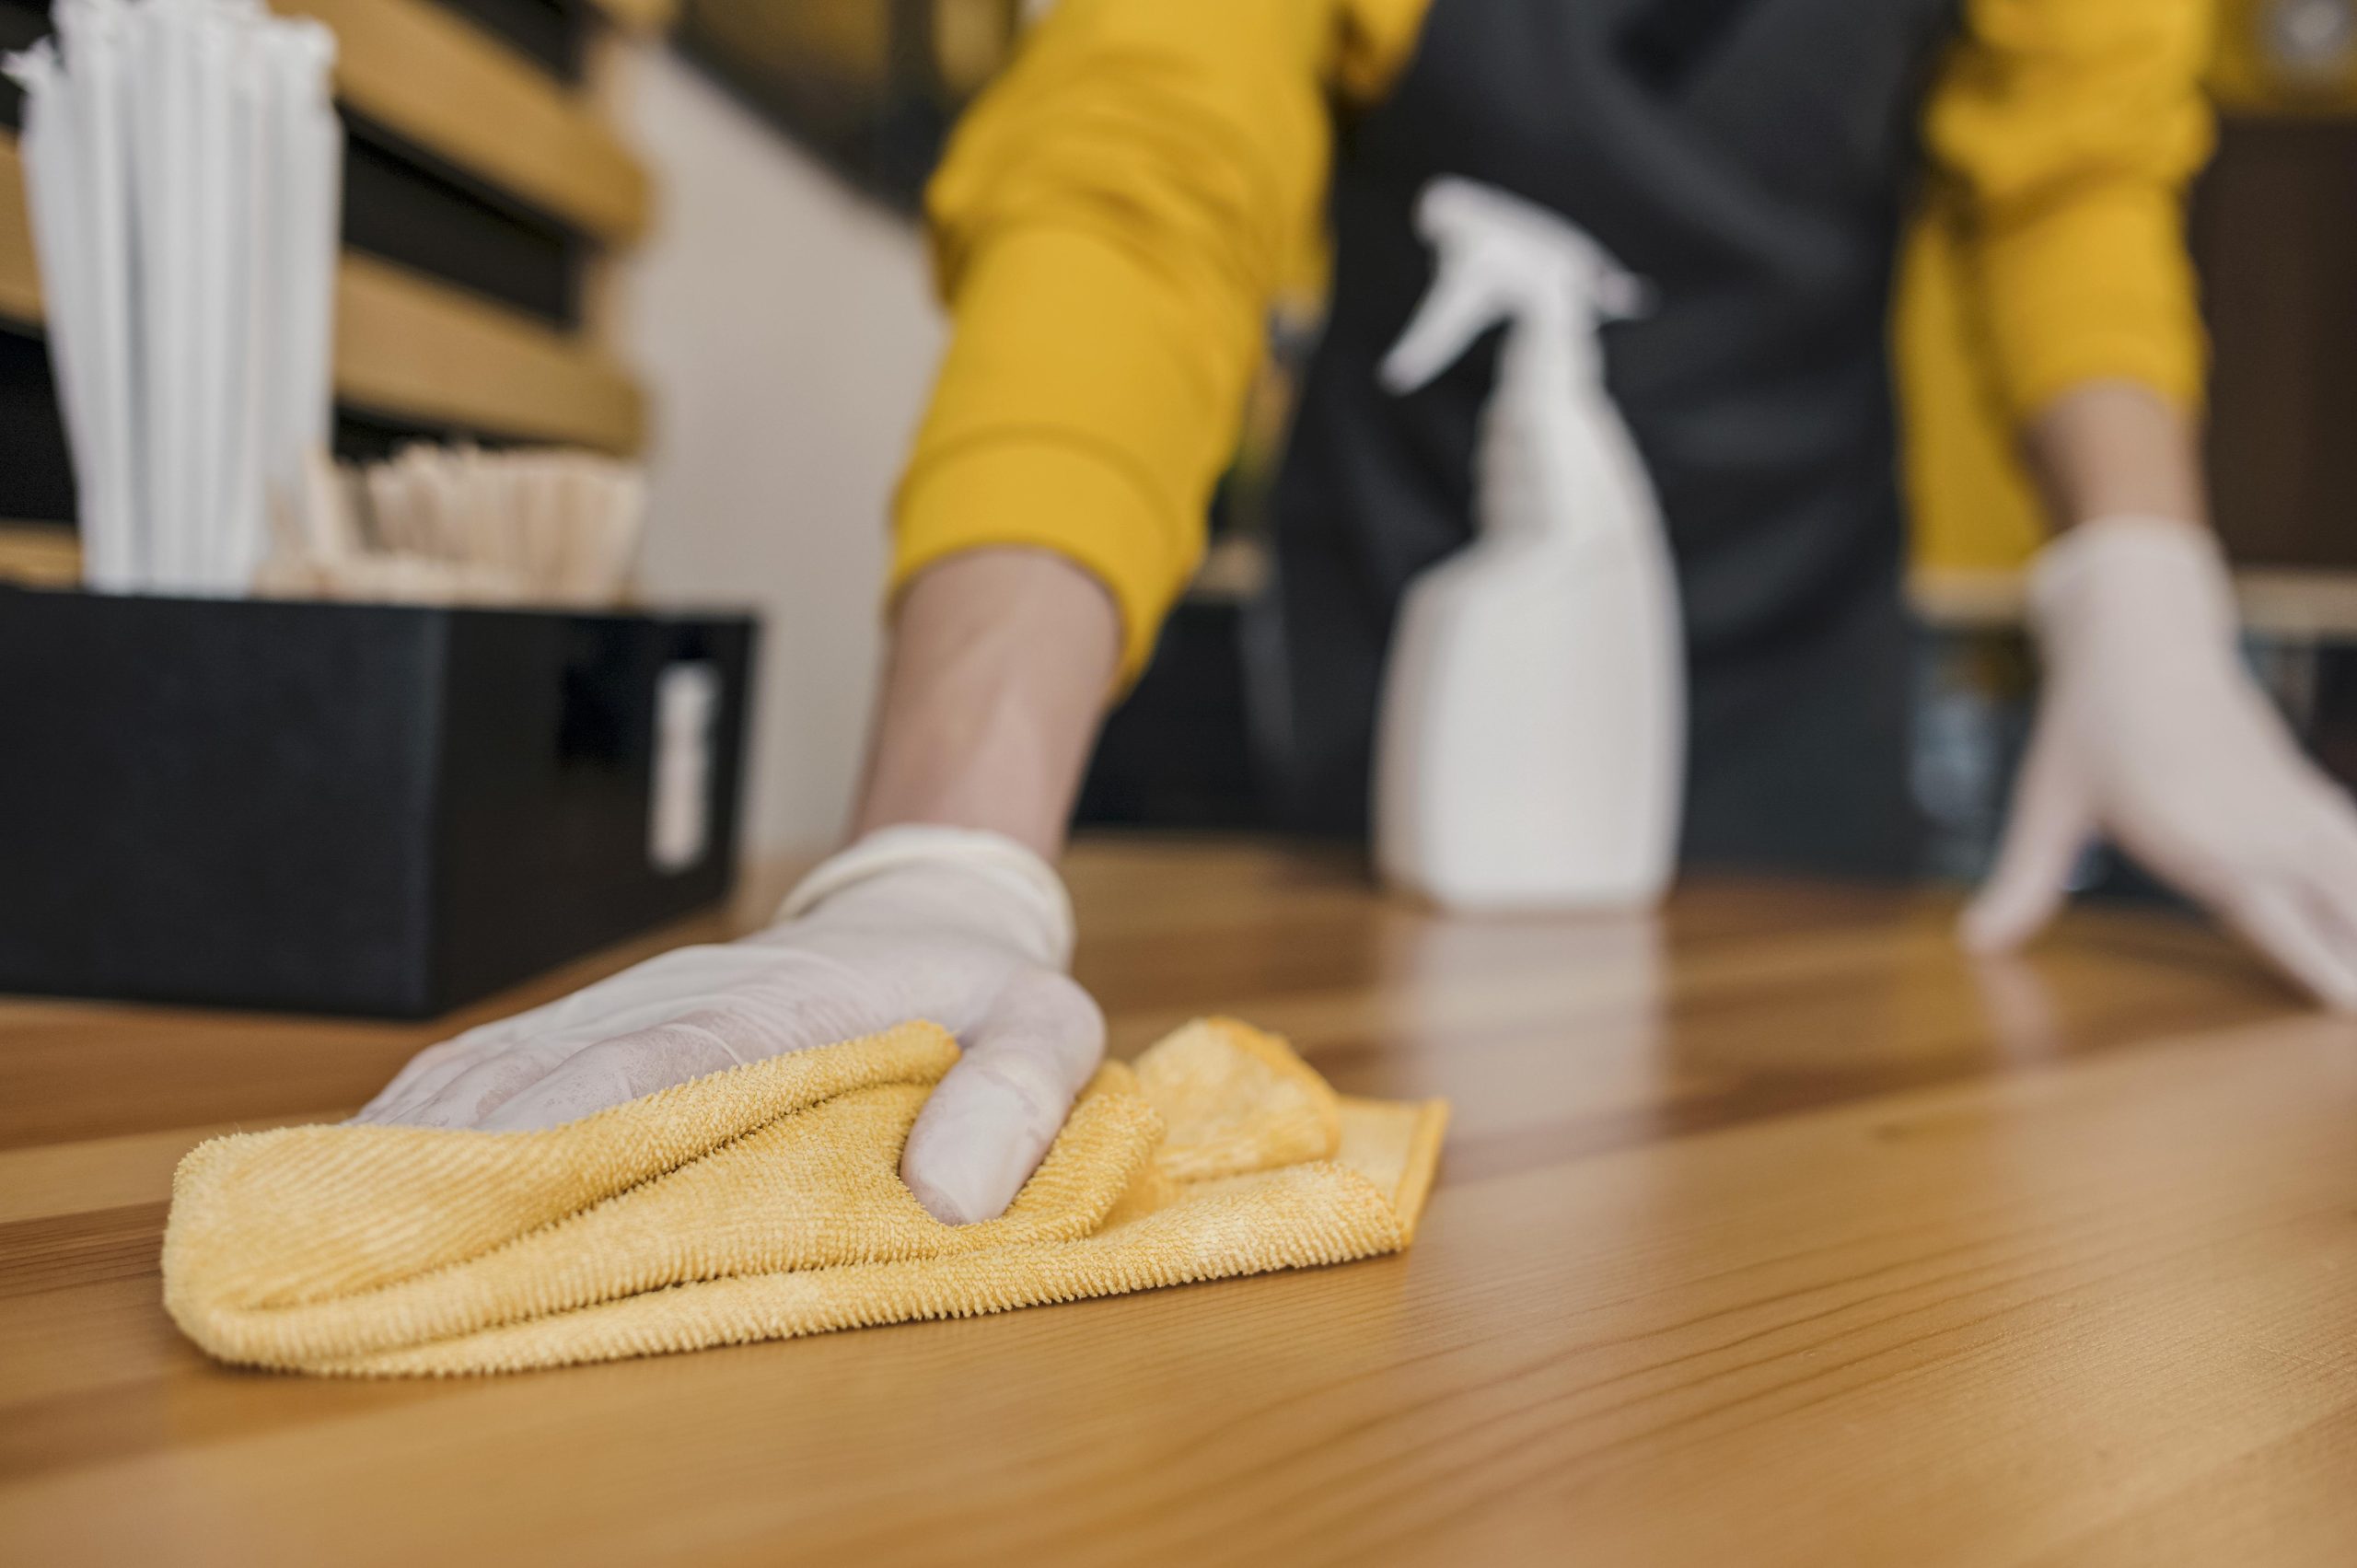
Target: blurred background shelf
(410,346)
(759,194)
(429,75)
(19,278)
(39,555)
(486,196)
(424,351)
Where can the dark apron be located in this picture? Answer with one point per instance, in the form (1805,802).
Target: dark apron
(1748,159)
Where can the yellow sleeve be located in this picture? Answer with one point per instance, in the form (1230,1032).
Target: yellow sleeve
(1109,227)
(2064,133)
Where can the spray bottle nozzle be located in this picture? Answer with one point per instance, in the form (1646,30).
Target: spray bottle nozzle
(1504,258)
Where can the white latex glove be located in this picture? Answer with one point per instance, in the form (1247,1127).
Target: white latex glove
(2151,734)
(967,929)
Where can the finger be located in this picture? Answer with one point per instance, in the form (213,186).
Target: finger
(622,1069)
(436,1068)
(2045,833)
(433,1058)
(986,1126)
(428,1073)
(482,1084)
(404,1109)
(2331,882)
(451,1092)
(2294,936)
(2334,906)
(422,1076)
(2329,867)
(2334,857)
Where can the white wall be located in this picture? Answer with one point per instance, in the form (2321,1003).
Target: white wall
(786,336)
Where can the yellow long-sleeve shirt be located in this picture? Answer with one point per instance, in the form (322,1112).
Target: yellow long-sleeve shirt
(1116,214)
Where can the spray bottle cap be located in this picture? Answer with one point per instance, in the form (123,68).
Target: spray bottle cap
(1504,259)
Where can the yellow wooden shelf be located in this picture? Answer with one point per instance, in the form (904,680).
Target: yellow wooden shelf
(19,277)
(40,555)
(408,346)
(444,83)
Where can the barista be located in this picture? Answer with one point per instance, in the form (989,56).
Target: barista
(1110,225)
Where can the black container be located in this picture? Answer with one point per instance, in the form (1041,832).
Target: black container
(352,809)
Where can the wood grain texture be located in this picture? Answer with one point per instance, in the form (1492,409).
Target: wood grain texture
(40,555)
(19,268)
(1769,1233)
(421,69)
(407,345)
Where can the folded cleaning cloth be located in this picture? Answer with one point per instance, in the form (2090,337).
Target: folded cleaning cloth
(765,1201)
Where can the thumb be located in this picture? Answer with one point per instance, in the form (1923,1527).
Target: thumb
(2048,827)
(987,1123)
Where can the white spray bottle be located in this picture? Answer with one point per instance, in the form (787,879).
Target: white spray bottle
(1530,751)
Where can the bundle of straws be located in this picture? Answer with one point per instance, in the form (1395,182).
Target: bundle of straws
(184,163)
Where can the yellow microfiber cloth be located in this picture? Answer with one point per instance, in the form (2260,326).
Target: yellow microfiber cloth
(765,1201)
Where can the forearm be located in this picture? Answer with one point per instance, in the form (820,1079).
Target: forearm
(1001,663)
(2116,448)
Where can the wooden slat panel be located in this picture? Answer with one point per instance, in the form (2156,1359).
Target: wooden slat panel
(20,273)
(40,555)
(408,346)
(444,83)
(413,348)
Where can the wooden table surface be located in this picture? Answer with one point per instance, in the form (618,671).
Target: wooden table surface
(1771,1233)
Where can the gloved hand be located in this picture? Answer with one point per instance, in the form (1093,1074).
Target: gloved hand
(967,929)
(2151,733)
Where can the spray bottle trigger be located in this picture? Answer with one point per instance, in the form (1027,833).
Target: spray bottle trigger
(1461,305)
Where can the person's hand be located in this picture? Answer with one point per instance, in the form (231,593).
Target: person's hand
(2151,733)
(967,929)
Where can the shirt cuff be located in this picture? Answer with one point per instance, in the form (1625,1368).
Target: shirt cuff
(2096,289)
(1055,495)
